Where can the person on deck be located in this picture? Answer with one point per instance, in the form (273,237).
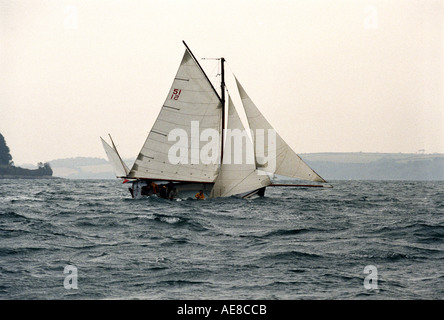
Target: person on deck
(173,194)
(200,195)
(154,188)
(170,187)
(163,192)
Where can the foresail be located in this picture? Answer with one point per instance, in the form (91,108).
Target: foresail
(276,151)
(119,167)
(238,172)
(191,107)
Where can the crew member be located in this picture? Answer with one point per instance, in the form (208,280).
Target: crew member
(173,194)
(154,188)
(200,195)
(163,192)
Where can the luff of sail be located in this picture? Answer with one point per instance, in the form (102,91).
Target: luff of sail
(286,161)
(191,99)
(237,177)
(120,168)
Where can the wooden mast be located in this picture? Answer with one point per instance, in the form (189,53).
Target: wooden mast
(222,98)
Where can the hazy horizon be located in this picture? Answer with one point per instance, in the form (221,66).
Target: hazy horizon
(129,160)
(330,76)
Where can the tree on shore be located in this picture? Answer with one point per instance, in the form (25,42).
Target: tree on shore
(45,168)
(5,156)
(7,167)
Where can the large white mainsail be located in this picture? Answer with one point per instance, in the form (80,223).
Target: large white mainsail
(286,161)
(120,168)
(237,177)
(191,100)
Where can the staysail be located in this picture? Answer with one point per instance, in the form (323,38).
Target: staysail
(120,168)
(192,106)
(238,172)
(273,151)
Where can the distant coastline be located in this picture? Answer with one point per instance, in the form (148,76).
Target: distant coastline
(377,166)
(331,166)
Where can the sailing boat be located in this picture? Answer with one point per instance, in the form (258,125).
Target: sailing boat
(190,147)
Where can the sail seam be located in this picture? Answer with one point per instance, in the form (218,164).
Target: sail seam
(162,134)
(171,108)
(203,170)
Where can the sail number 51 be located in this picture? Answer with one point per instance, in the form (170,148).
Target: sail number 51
(176,94)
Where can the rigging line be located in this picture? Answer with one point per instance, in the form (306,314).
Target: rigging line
(200,67)
(118,155)
(211,75)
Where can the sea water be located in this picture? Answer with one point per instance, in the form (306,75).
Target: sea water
(85,239)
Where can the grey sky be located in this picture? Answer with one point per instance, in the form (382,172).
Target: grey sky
(330,76)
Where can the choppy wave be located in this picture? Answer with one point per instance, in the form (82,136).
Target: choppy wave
(291,244)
